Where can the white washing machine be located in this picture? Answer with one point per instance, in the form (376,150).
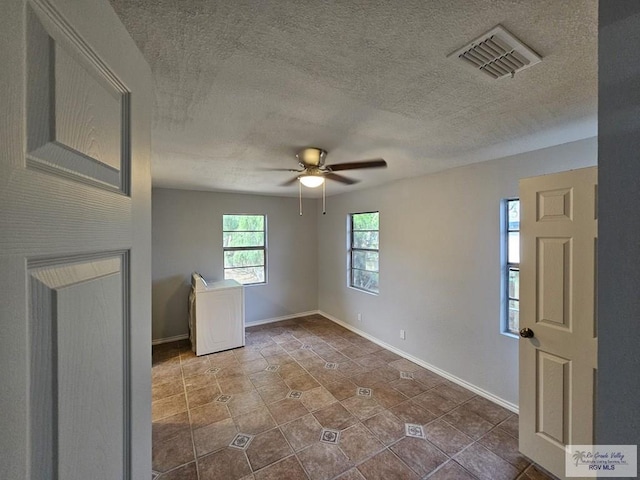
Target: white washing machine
(216,315)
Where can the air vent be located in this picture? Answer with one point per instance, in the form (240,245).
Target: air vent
(497,53)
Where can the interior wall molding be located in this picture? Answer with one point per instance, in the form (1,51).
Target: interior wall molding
(463,383)
(175,338)
(279,319)
(183,336)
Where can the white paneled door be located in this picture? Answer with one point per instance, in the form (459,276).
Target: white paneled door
(75,244)
(558,344)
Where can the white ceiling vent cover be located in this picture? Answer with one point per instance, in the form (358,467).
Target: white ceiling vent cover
(497,53)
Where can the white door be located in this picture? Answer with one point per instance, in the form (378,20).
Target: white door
(557,304)
(74,244)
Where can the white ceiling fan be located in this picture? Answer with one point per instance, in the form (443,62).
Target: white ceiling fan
(313,170)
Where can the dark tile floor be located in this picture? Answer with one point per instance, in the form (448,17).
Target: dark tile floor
(308,399)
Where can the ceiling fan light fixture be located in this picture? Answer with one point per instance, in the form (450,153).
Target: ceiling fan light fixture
(311,181)
(311,156)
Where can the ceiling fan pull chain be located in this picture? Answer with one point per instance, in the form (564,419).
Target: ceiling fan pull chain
(300,195)
(324,201)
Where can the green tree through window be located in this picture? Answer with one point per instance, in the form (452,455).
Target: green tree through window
(364,251)
(244,248)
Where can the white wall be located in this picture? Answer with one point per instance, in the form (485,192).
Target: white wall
(187,236)
(439,264)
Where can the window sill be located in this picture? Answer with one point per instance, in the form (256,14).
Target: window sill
(363,291)
(510,335)
(253,284)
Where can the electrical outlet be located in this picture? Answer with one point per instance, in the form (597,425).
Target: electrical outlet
(402,334)
(359,317)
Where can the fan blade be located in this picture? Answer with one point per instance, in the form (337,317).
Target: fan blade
(279,170)
(289,182)
(340,178)
(378,163)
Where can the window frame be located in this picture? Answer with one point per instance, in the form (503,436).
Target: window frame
(352,250)
(508,267)
(262,247)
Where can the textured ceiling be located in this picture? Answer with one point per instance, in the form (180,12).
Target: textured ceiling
(242,85)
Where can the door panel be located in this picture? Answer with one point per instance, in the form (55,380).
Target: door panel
(79,327)
(78,110)
(555,205)
(553,374)
(557,288)
(74,244)
(553,265)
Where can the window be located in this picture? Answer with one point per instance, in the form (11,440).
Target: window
(364,242)
(512,268)
(243,240)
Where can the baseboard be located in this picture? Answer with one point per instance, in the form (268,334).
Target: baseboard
(463,383)
(279,319)
(158,341)
(184,336)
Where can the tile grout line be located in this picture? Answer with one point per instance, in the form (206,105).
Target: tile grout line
(324,339)
(359,421)
(295,453)
(388,447)
(277,426)
(193,443)
(477,442)
(316,379)
(194,461)
(530,462)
